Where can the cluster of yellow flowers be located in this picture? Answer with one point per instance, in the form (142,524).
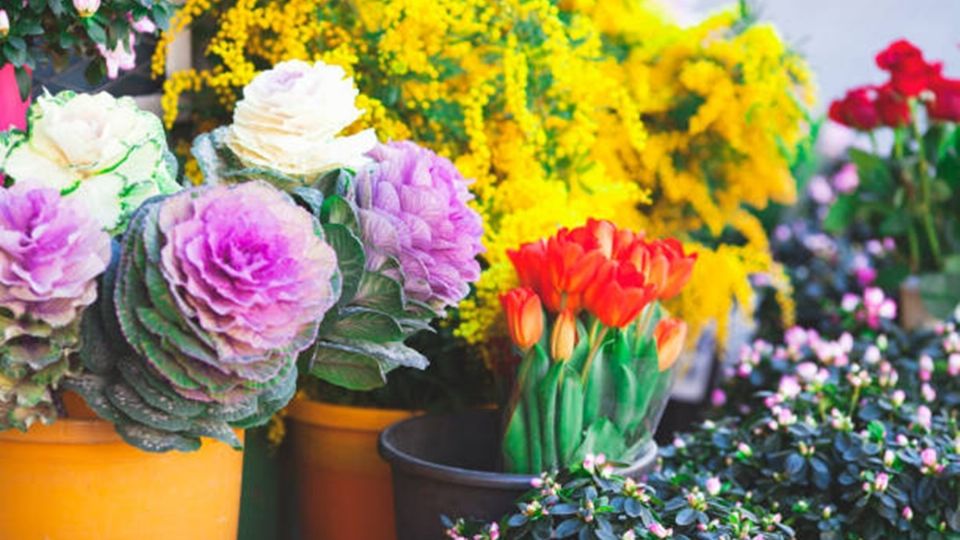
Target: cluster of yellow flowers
(560,111)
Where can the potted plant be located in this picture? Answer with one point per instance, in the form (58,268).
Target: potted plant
(629,139)
(187,329)
(54,31)
(406,244)
(910,191)
(595,376)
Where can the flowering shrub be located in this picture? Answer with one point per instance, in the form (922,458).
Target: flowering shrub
(560,113)
(52,252)
(910,194)
(216,292)
(597,380)
(823,438)
(591,501)
(102,150)
(42,30)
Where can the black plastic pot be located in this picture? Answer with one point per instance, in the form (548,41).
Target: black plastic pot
(449,465)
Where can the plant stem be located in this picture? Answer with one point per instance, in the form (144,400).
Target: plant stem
(910,194)
(853,402)
(597,333)
(926,210)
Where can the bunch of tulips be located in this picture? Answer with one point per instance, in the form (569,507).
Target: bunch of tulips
(597,346)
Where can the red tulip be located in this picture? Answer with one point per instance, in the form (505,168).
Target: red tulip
(524,316)
(618,293)
(564,336)
(605,237)
(946,100)
(670,335)
(529,261)
(560,268)
(570,267)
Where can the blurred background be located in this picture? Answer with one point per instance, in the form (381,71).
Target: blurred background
(840,37)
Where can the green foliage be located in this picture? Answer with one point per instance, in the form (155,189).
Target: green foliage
(33,360)
(602,401)
(53,30)
(910,195)
(855,437)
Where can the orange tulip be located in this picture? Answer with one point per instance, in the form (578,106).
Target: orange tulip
(618,294)
(669,335)
(664,264)
(524,316)
(564,336)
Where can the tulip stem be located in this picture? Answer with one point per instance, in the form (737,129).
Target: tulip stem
(597,333)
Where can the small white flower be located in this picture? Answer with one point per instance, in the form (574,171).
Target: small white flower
(4,23)
(897,398)
(953,364)
(713,486)
(924,417)
(86,8)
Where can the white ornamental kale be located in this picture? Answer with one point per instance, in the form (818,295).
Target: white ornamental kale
(103,150)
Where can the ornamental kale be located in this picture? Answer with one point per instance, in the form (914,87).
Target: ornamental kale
(51,252)
(216,292)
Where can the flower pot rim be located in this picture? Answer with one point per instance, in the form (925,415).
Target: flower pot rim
(346,417)
(445,473)
(65,431)
(406,462)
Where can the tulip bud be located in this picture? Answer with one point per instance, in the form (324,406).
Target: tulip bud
(4,23)
(86,8)
(524,316)
(670,335)
(564,336)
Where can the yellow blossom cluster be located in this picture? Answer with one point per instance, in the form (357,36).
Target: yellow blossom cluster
(559,111)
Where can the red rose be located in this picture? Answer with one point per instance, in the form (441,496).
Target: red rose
(910,74)
(857,109)
(946,100)
(896,53)
(893,109)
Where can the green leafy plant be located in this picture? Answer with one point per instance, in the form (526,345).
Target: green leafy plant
(55,30)
(912,192)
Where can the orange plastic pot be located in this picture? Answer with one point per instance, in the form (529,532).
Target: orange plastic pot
(77,480)
(344,488)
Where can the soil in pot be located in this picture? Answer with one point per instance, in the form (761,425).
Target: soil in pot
(449,465)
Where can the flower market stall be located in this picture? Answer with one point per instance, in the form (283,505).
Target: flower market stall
(398,269)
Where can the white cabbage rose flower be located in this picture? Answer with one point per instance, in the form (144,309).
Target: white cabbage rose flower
(290,118)
(103,150)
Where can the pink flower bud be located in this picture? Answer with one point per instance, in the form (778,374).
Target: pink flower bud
(86,8)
